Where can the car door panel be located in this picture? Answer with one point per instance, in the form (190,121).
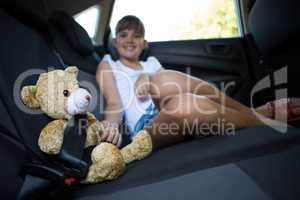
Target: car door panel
(215,60)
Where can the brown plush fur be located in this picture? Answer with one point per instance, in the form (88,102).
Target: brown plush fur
(108,162)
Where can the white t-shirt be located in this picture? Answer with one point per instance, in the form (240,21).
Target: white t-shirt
(125,79)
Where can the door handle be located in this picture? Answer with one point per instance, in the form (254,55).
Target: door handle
(218,49)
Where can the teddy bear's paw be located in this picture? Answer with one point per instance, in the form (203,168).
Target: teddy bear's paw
(92,135)
(139,148)
(108,164)
(91,118)
(51,137)
(28,96)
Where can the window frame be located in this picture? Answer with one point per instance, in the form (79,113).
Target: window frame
(239,24)
(97,19)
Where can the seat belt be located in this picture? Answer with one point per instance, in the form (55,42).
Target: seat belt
(40,178)
(96,56)
(65,168)
(270,72)
(58,56)
(48,171)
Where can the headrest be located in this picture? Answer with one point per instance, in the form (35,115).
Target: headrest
(27,17)
(274,25)
(250,4)
(75,34)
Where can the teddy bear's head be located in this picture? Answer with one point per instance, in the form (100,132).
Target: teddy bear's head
(57,94)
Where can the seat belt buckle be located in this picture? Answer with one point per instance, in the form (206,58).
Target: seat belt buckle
(70,181)
(73,147)
(47,173)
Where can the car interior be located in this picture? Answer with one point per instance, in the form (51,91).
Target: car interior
(256,163)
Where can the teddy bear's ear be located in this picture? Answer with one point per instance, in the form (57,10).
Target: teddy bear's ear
(72,71)
(43,75)
(28,96)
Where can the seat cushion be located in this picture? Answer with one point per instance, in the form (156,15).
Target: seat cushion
(230,181)
(193,156)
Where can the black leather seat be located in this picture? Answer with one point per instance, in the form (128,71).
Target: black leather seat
(24,48)
(275,28)
(186,168)
(72,42)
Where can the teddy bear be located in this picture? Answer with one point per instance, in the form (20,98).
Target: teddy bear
(58,95)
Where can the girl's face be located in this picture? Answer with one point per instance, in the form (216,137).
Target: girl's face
(130,44)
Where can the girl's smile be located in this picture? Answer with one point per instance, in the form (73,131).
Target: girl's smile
(130,45)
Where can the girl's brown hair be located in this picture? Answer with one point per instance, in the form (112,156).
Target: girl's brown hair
(131,22)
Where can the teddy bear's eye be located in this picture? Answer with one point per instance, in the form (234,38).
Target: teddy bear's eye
(66,93)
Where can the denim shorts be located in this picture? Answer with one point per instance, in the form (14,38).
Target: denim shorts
(145,119)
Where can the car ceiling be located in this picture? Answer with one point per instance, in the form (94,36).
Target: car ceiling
(69,5)
(44,7)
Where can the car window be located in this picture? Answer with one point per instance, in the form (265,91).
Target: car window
(89,19)
(169,20)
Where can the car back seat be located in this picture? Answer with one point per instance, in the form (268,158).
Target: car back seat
(10,147)
(72,42)
(12,157)
(24,49)
(21,49)
(78,51)
(275,29)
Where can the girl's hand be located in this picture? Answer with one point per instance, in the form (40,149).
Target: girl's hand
(110,133)
(142,86)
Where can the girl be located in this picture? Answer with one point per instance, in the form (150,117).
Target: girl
(147,96)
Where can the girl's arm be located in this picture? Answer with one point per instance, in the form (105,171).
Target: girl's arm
(113,109)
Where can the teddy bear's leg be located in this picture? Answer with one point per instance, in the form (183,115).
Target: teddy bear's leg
(107,164)
(51,137)
(139,148)
(97,173)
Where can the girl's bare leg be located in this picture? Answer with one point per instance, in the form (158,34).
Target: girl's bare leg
(168,82)
(181,112)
